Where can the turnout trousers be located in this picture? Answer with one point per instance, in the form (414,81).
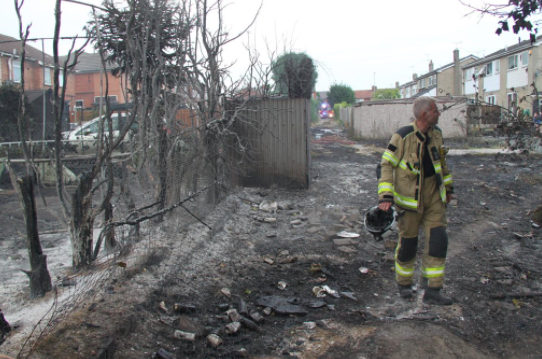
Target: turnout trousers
(433,221)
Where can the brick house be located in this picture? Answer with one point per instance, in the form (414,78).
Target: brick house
(39,67)
(38,81)
(505,77)
(89,88)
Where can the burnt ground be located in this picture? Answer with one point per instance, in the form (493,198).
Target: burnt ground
(493,274)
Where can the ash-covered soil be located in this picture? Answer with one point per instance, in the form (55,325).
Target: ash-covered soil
(260,259)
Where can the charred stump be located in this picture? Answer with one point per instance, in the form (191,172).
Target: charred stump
(162,160)
(4,327)
(82,222)
(40,279)
(110,242)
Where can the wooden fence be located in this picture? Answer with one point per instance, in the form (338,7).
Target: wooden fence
(272,147)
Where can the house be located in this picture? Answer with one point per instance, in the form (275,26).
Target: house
(38,82)
(443,81)
(505,77)
(364,95)
(90,87)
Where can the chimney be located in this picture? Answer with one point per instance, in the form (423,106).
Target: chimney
(414,77)
(457,74)
(430,65)
(396,84)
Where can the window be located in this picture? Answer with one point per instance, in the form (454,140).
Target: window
(512,101)
(512,62)
(489,69)
(16,71)
(112,99)
(491,100)
(60,78)
(47,76)
(79,104)
(524,58)
(469,73)
(497,66)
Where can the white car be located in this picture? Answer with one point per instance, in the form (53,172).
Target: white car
(84,137)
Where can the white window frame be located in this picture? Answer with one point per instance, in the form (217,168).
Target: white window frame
(524,58)
(47,76)
(497,66)
(489,69)
(81,105)
(514,64)
(17,73)
(514,102)
(112,99)
(468,74)
(491,100)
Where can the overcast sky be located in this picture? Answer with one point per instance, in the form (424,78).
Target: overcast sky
(354,42)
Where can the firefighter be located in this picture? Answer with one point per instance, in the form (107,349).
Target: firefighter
(416,180)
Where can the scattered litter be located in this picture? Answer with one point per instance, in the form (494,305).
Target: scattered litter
(214,340)
(535,225)
(268,260)
(269,220)
(295,221)
(317,303)
(280,305)
(163,306)
(268,206)
(364,270)
(316,268)
(323,291)
(345,234)
(184,308)
(163,354)
(233,315)
(484,280)
(267,311)
(250,324)
(349,295)
(232,328)
(186,336)
(226,292)
(309,325)
(282,285)
(256,316)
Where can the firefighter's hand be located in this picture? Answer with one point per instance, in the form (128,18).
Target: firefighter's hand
(449,197)
(384,206)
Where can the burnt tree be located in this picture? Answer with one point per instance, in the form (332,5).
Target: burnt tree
(40,279)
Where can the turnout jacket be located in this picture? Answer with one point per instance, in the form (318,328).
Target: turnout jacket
(402,174)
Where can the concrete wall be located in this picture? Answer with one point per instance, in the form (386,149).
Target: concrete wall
(380,119)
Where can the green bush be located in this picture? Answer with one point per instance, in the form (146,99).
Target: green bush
(337,109)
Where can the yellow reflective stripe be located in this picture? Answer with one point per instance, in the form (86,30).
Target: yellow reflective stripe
(448,180)
(438,168)
(433,272)
(391,158)
(443,194)
(404,166)
(385,187)
(406,272)
(405,201)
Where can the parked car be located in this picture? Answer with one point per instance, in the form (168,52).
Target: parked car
(83,139)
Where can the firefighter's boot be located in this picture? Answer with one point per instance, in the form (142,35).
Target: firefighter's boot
(433,296)
(405,291)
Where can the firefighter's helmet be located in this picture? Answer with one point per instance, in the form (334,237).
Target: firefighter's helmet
(380,223)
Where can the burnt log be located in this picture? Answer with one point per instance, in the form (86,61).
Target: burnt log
(82,224)
(5,328)
(40,279)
